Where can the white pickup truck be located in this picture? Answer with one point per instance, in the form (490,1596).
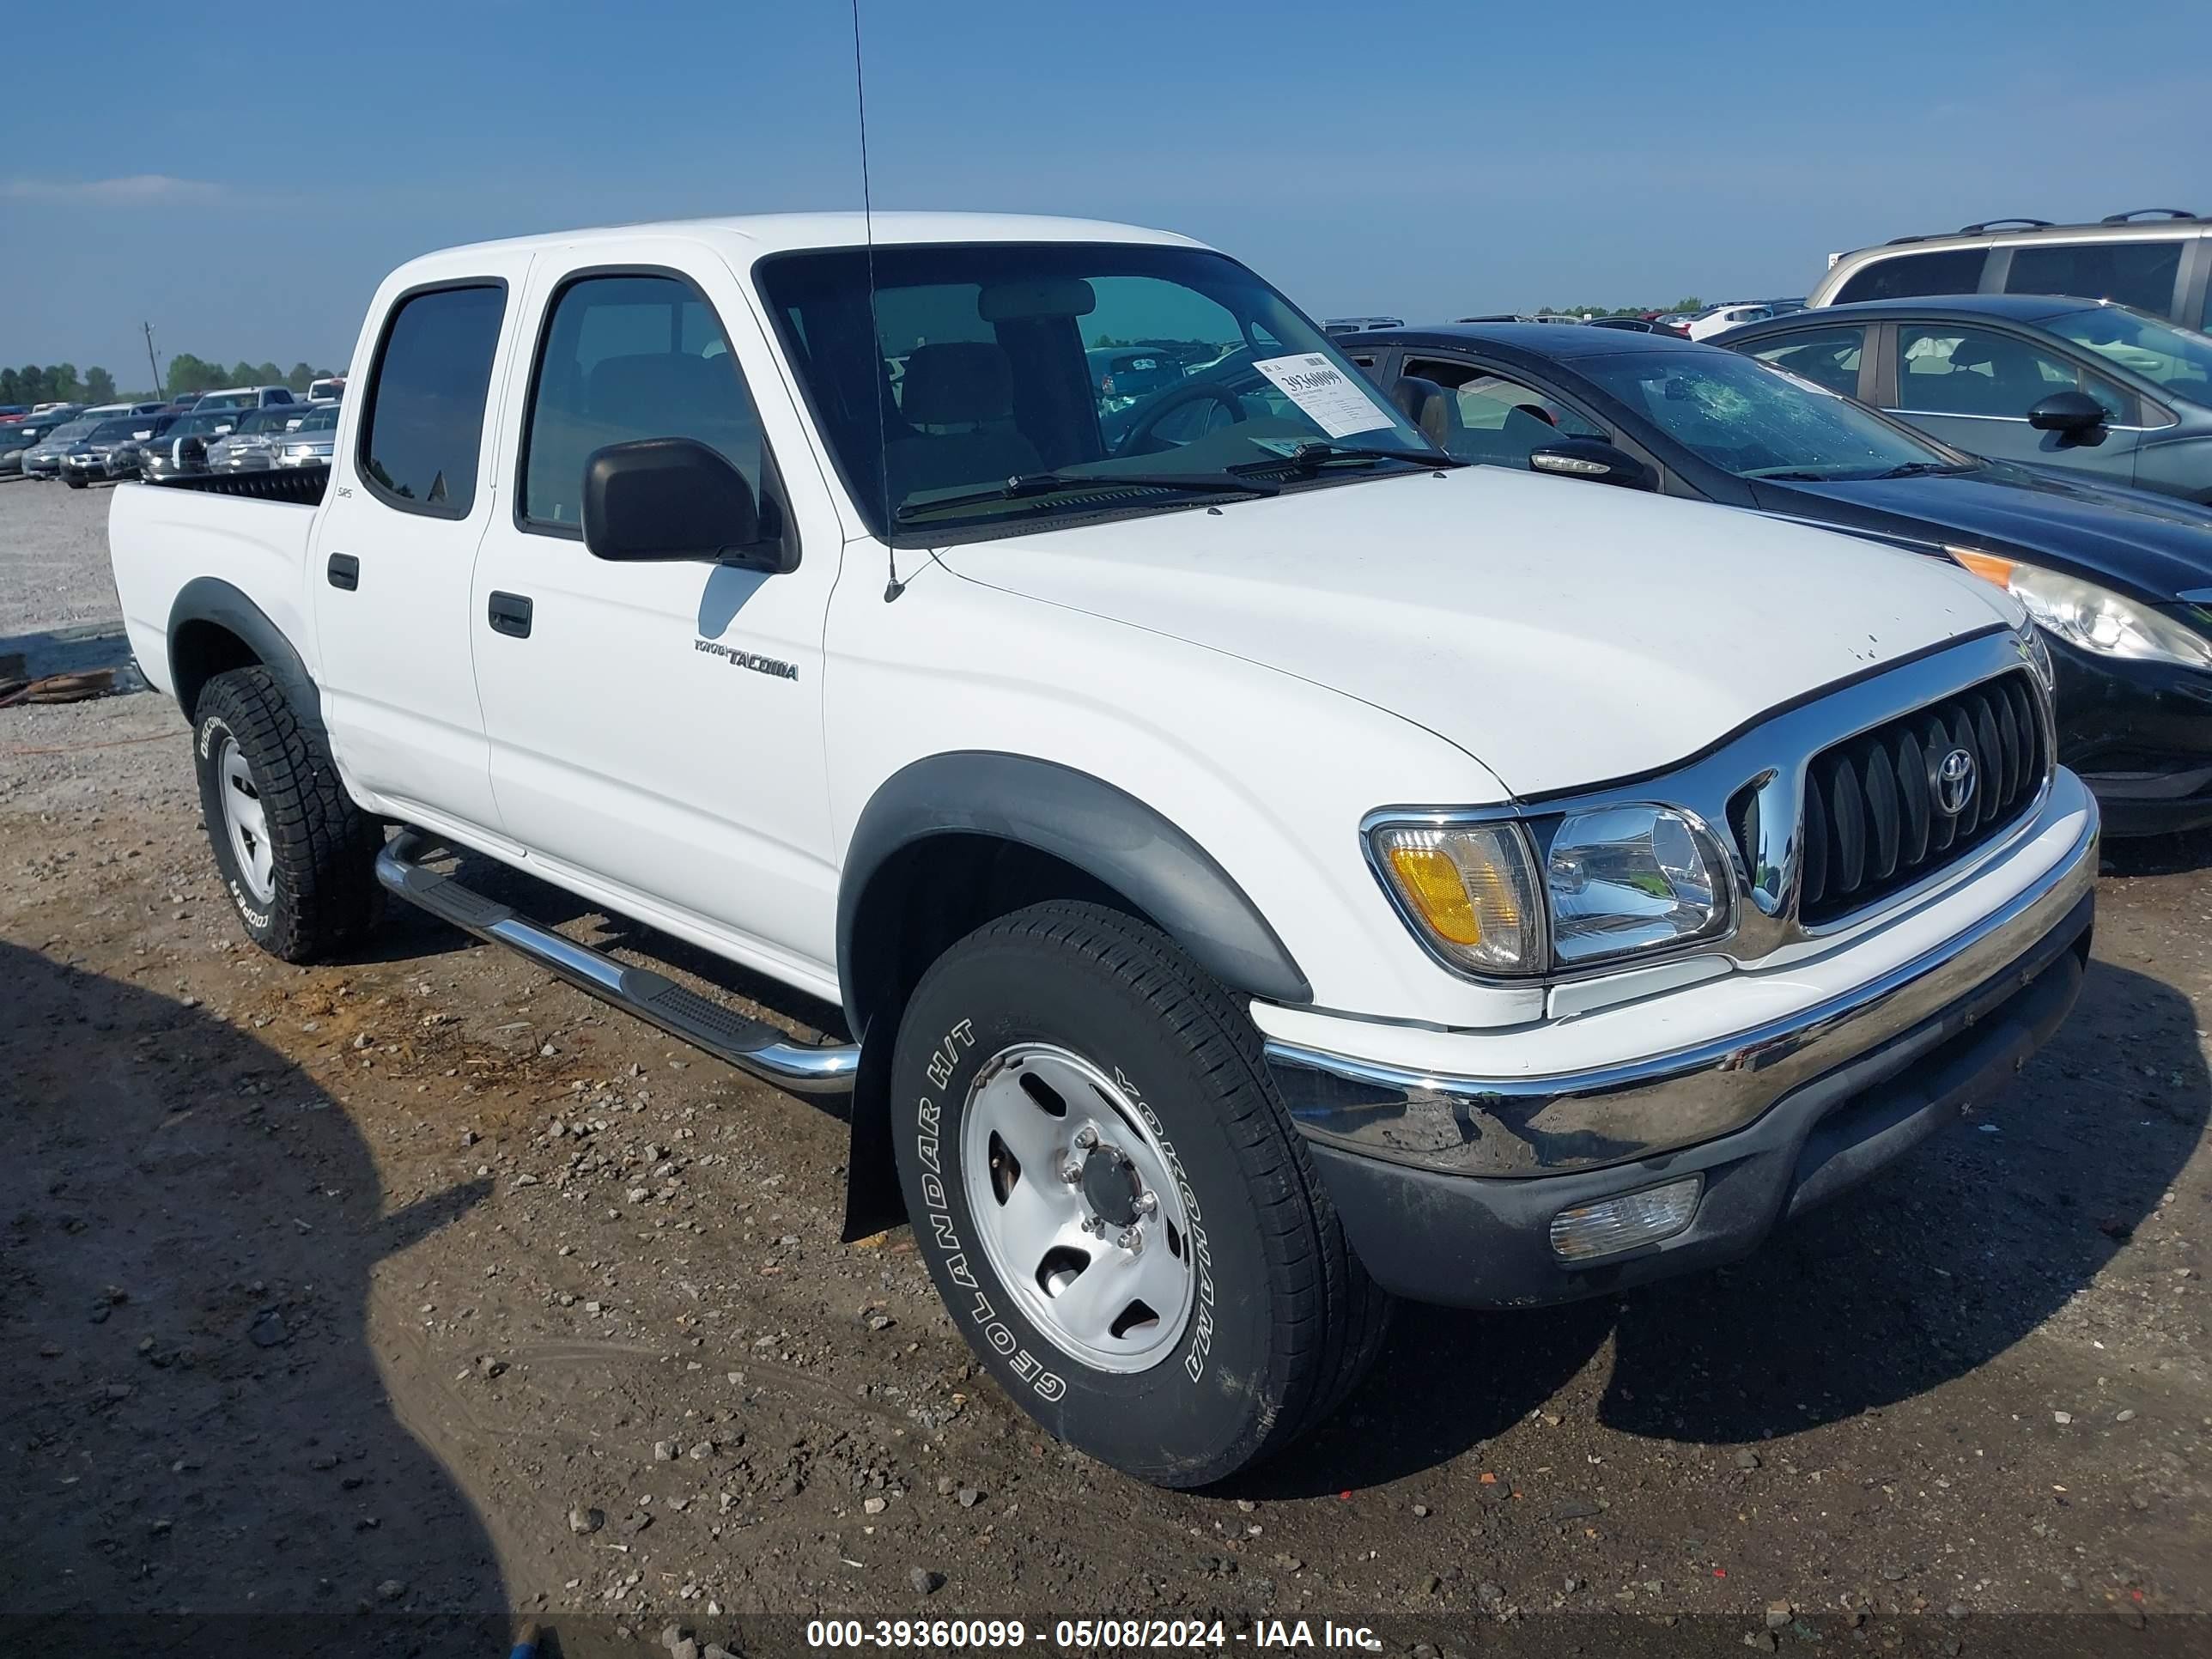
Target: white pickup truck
(1263,866)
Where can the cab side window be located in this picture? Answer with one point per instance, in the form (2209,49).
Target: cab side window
(1492,419)
(1827,356)
(627,357)
(423,428)
(2139,274)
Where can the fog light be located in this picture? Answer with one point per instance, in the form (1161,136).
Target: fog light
(1614,1224)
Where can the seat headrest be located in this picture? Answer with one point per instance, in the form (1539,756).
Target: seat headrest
(657,390)
(957,383)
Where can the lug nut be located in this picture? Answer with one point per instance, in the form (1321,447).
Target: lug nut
(1070,1172)
(1147,1202)
(1131,1240)
(1086,1138)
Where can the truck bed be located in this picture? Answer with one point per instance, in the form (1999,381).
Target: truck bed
(248,529)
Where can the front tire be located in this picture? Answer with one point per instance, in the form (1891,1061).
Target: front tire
(1113,1203)
(295,854)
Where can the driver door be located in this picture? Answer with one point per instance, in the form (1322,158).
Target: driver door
(656,727)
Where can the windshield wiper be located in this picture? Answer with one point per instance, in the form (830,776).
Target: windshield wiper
(1044,483)
(1307,457)
(1919,470)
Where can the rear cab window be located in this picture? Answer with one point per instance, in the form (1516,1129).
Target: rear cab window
(421,429)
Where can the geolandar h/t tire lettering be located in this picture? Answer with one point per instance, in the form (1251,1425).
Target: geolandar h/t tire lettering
(1120,1216)
(296,856)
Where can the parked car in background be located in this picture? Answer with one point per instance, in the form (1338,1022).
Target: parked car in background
(19,438)
(1120,375)
(251,445)
(246,396)
(43,459)
(182,450)
(1629,324)
(1718,318)
(2120,580)
(1354,325)
(311,440)
(127,460)
(2094,387)
(331,389)
(2156,259)
(92,458)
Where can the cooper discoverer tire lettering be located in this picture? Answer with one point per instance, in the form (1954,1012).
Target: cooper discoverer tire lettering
(296,855)
(1120,1218)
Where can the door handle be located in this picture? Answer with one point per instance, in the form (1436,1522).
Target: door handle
(509,614)
(344,571)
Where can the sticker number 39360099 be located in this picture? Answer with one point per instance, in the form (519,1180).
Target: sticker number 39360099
(1332,399)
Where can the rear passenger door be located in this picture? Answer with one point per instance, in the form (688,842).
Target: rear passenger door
(656,728)
(391,572)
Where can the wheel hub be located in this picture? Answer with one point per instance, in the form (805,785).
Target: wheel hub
(1111,1186)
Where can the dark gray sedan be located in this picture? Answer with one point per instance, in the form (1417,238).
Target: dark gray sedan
(2085,384)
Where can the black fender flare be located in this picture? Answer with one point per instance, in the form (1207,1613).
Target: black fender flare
(1084,821)
(210,599)
(1081,820)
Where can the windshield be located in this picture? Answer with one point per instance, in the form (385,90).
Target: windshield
(108,431)
(2179,358)
(74,430)
(272,419)
(323,420)
(987,362)
(196,425)
(1758,421)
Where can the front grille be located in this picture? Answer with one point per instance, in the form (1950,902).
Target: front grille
(1872,821)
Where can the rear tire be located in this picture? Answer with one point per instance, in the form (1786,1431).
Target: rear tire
(295,854)
(1232,1318)
(74,482)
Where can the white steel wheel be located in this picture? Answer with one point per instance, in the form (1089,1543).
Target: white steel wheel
(1075,1207)
(245,821)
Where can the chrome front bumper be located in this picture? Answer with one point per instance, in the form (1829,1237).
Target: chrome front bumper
(1544,1125)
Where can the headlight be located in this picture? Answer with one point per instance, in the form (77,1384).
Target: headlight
(1623,880)
(1613,882)
(2091,617)
(1468,889)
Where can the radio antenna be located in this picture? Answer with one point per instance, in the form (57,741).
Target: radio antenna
(894,587)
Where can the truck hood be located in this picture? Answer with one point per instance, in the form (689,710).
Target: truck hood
(1564,633)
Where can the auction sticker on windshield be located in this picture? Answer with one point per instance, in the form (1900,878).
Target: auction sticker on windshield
(1326,394)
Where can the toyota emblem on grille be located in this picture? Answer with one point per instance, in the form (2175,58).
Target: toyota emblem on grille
(1951,782)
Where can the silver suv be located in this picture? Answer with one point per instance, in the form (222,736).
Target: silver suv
(2156,259)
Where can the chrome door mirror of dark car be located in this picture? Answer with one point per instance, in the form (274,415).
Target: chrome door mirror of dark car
(1595,459)
(661,499)
(2072,412)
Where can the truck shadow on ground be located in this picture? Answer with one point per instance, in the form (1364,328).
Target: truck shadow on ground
(194,1416)
(1935,1268)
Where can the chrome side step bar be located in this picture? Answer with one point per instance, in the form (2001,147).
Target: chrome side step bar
(747,1044)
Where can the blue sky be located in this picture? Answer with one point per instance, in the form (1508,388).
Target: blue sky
(241,177)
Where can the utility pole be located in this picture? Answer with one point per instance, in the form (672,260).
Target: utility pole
(154,362)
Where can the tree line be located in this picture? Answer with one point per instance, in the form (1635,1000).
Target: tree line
(60,383)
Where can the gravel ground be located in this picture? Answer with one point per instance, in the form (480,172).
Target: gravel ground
(379,1302)
(53,559)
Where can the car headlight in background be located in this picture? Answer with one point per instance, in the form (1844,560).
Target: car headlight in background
(1623,880)
(2088,616)
(1613,883)
(1469,889)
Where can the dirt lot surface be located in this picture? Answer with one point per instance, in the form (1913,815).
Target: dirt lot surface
(361,1307)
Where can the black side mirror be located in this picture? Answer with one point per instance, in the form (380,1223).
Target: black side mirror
(1593,458)
(661,499)
(2071,412)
